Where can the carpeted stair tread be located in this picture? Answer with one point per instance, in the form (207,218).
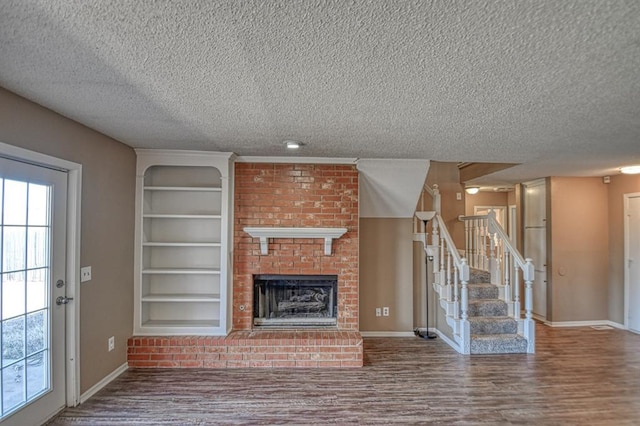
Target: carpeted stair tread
(493,325)
(487,308)
(482,291)
(478,276)
(498,344)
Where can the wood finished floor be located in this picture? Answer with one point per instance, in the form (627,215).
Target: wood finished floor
(579,376)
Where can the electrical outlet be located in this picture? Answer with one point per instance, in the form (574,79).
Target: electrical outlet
(85,274)
(378,312)
(112,343)
(385,311)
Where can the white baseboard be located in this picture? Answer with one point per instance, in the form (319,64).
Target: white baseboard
(104,382)
(387,333)
(584,324)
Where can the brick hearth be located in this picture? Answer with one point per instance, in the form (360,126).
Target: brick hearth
(243,349)
(280,195)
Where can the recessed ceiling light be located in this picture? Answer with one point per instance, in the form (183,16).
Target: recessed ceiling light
(630,170)
(293,144)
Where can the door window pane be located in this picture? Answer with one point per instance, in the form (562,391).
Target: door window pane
(38,205)
(37,294)
(13,340)
(37,247)
(13,294)
(15,202)
(14,248)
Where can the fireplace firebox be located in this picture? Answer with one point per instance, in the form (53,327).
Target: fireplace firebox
(295,300)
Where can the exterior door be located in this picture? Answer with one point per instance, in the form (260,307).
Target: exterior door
(33,250)
(633,262)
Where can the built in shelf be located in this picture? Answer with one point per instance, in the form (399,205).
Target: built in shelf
(173,271)
(181,216)
(181,323)
(183,188)
(184,298)
(179,244)
(264,233)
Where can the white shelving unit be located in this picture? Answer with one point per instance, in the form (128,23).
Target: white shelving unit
(183,237)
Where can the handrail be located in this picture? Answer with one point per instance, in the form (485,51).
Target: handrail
(458,260)
(525,264)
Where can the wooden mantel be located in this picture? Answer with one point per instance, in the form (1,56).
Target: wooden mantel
(264,233)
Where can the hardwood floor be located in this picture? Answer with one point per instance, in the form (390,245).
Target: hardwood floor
(578,376)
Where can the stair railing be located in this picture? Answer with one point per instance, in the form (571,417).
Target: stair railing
(452,271)
(489,248)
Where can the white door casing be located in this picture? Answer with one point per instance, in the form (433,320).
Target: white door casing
(535,242)
(632,261)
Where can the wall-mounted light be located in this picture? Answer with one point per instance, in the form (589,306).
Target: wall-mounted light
(472,190)
(292,144)
(630,170)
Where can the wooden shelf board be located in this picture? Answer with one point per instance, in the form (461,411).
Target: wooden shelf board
(202,271)
(182,298)
(179,244)
(184,188)
(181,216)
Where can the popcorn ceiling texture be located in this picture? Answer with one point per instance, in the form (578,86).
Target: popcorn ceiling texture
(553,84)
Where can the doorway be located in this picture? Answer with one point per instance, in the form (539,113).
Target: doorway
(535,241)
(39,241)
(632,261)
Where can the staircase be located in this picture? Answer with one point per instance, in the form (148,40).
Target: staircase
(492,329)
(479,287)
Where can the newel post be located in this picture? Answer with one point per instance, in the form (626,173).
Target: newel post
(529,324)
(465,327)
(436,199)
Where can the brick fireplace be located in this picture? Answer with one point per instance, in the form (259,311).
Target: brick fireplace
(296,195)
(292,196)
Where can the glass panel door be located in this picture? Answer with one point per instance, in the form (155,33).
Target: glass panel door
(27,268)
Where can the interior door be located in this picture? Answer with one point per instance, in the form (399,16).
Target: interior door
(633,262)
(32,261)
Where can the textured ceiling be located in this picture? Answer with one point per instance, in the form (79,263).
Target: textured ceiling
(554,85)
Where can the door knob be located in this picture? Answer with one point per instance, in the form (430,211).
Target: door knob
(62,300)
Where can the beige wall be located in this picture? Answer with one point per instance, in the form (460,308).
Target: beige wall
(620,185)
(108,194)
(578,254)
(386,273)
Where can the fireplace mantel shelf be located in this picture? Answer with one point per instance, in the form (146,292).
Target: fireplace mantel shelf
(264,233)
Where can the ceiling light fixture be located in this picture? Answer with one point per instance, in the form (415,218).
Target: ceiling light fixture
(472,190)
(293,144)
(630,170)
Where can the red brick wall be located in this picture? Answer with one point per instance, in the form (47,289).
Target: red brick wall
(296,195)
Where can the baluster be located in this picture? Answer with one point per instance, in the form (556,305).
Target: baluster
(442,243)
(492,254)
(456,299)
(516,292)
(486,245)
(474,243)
(507,277)
(449,266)
(467,238)
(435,236)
